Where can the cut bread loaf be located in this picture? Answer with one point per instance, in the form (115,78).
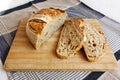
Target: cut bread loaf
(94,42)
(71,38)
(42,24)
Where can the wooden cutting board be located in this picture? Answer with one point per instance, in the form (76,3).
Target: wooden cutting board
(23,56)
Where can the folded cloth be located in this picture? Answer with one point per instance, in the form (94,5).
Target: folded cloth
(110,8)
(73,8)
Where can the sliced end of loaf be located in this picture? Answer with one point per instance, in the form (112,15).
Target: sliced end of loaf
(42,25)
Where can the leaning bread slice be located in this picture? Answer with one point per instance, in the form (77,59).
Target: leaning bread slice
(42,24)
(71,38)
(93,43)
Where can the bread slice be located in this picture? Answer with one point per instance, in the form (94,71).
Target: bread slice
(94,42)
(71,38)
(42,24)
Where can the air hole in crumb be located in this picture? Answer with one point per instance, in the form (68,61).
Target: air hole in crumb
(93,50)
(69,41)
(59,51)
(71,33)
(103,47)
(89,42)
(76,46)
(94,45)
(72,48)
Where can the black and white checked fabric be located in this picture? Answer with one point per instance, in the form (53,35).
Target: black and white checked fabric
(110,28)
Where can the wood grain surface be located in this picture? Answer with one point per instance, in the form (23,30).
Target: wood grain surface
(23,56)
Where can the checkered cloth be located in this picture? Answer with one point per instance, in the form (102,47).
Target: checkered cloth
(110,27)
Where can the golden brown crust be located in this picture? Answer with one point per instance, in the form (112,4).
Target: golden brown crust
(36,25)
(52,12)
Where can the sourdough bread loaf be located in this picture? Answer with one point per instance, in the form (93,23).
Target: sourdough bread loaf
(71,38)
(43,23)
(94,42)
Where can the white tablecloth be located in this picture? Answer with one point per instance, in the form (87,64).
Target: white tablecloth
(110,8)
